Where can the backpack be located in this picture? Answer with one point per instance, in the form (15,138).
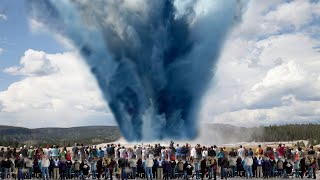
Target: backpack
(109,151)
(172,157)
(76,150)
(163,163)
(211,152)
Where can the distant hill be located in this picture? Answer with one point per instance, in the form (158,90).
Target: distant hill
(208,133)
(17,136)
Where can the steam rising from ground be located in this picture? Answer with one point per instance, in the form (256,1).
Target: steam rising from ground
(152,60)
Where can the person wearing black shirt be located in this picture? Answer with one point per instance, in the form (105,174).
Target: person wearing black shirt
(173,169)
(69,166)
(203,168)
(20,166)
(99,167)
(302,167)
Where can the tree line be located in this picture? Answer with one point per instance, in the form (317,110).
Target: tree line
(288,132)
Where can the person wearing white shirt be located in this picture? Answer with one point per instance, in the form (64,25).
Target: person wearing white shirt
(248,166)
(205,153)
(241,152)
(193,153)
(122,152)
(149,165)
(163,153)
(45,167)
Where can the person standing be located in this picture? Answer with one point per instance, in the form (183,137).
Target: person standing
(56,168)
(76,169)
(93,168)
(29,166)
(69,167)
(241,152)
(20,166)
(259,167)
(203,168)
(313,163)
(62,169)
(149,165)
(160,169)
(45,163)
(248,166)
(99,168)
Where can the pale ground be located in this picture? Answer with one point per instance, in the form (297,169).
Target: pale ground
(193,143)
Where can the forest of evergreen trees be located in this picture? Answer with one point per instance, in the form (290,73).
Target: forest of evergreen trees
(289,132)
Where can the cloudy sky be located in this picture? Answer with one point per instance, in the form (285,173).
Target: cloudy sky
(268,73)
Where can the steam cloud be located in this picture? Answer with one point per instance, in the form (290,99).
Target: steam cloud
(152,59)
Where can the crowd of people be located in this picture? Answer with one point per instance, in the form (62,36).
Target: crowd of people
(157,162)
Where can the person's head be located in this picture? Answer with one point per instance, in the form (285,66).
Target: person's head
(259,146)
(240,146)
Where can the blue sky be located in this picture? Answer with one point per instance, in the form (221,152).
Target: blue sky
(268,72)
(16,37)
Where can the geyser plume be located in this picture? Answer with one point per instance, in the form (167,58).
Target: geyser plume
(152,59)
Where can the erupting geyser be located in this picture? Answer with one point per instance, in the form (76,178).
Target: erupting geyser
(152,59)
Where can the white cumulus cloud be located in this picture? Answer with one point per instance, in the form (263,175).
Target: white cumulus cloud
(56,90)
(269,71)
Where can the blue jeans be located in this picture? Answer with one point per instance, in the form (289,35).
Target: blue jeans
(93,170)
(124,174)
(222,172)
(280,171)
(6,172)
(134,172)
(76,174)
(197,175)
(210,172)
(149,172)
(20,174)
(69,173)
(45,172)
(248,171)
(106,172)
(233,172)
(30,170)
(172,173)
(272,172)
(2,172)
